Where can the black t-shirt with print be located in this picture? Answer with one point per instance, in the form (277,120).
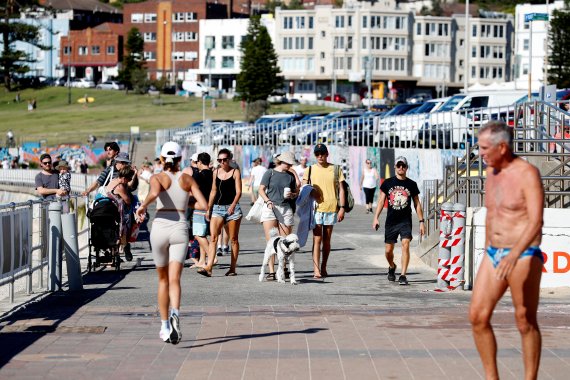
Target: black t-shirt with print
(400,194)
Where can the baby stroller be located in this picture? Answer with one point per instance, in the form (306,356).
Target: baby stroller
(104,236)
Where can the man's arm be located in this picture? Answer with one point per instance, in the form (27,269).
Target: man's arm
(99,182)
(419,211)
(43,191)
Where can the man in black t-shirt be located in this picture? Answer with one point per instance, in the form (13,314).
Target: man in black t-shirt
(399,191)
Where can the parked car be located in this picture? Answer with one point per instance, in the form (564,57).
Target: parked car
(277,97)
(338,98)
(419,98)
(110,85)
(289,134)
(82,83)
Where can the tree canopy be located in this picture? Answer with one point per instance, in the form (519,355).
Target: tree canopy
(133,72)
(559,58)
(15,62)
(259,75)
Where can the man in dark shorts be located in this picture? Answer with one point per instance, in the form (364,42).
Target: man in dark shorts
(399,190)
(47,181)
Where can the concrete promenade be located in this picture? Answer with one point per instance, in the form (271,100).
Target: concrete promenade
(352,325)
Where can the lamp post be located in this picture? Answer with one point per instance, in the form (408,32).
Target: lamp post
(69,68)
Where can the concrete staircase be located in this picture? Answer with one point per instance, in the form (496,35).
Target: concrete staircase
(144,149)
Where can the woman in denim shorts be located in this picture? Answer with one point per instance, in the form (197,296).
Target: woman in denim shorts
(223,207)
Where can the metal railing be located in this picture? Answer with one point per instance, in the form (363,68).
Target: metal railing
(24,249)
(536,124)
(27,177)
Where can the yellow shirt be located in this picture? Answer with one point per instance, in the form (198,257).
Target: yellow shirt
(322,180)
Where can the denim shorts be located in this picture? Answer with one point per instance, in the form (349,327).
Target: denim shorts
(326,218)
(221,211)
(200,226)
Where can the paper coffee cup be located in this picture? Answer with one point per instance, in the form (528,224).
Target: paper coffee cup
(286,192)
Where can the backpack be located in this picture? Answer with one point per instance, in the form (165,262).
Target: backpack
(349,201)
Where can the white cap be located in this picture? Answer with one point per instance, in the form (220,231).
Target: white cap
(170,150)
(195,157)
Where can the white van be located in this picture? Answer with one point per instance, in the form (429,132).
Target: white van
(195,87)
(453,128)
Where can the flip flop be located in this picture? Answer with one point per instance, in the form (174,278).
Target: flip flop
(204,272)
(230,273)
(317,277)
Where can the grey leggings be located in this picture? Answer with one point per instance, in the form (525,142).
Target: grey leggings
(169,241)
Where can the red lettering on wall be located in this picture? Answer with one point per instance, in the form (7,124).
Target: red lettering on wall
(545,256)
(558,256)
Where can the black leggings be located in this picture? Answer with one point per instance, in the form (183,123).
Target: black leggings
(369,194)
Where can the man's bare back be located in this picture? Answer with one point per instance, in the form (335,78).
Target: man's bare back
(507,204)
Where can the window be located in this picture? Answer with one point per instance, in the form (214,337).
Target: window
(111,50)
(338,63)
(149,56)
(364,22)
(150,17)
(311,22)
(322,55)
(137,18)
(460,63)
(300,22)
(227,62)
(287,22)
(95,50)
(525,44)
(501,31)
(525,69)
(211,62)
(287,43)
(178,55)
(349,63)
(339,42)
(349,43)
(191,36)
(310,64)
(210,42)
(305,86)
(149,37)
(349,21)
(323,33)
(526,25)
(419,29)
(474,34)
(299,43)
(83,50)
(191,16)
(178,17)
(190,55)
(496,31)
(364,42)
(322,70)
(66,50)
(178,36)
(227,43)
(339,21)
(473,72)
(474,52)
(310,43)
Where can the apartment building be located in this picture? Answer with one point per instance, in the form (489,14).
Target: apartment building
(331,50)
(526,59)
(93,53)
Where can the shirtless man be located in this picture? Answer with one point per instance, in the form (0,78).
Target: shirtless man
(514,201)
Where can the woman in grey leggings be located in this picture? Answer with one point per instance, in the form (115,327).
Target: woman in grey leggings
(169,234)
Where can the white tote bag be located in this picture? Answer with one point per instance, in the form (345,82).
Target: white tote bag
(255,211)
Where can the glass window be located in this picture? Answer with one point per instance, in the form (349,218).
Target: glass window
(191,16)
(178,17)
(227,62)
(299,43)
(473,72)
(310,64)
(211,62)
(474,34)
(310,43)
(150,17)
(300,22)
(178,36)
(349,43)
(287,22)
(95,50)
(227,42)
(310,22)
(66,50)
(111,50)
(137,18)
(83,50)
(149,37)
(191,36)
(364,42)
(210,42)
(349,63)
(149,55)
(339,21)
(419,29)
(474,52)
(525,44)
(190,55)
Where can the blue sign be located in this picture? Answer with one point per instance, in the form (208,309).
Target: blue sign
(535,17)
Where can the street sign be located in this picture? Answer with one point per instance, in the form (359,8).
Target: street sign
(535,17)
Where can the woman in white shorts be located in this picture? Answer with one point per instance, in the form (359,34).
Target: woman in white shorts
(278,189)
(169,234)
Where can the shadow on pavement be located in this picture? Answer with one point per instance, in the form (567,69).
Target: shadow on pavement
(50,312)
(230,338)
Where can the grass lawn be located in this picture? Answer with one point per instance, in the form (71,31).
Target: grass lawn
(112,112)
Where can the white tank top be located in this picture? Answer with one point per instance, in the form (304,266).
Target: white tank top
(369,179)
(174,200)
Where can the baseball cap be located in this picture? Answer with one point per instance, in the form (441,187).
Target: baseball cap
(123,157)
(171,149)
(402,159)
(287,157)
(321,148)
(195,157)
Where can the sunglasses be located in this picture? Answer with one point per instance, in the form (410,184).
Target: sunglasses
(320,154)
(368,162)
(220,160)
(46,162)
(399,165)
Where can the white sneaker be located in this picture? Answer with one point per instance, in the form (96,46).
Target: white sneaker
(165,335)
(175,333)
